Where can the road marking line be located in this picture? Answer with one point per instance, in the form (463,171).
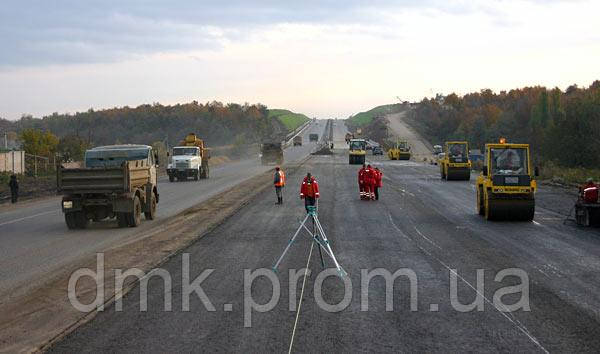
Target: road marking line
(510,318)
(26,217)
(537,223)
(312,244)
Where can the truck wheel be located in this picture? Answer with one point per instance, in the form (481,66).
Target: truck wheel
(206,171)
(76,220)
(70,220)
(197,175)
(171,178)
(135,218)
(149,215)
(122,219)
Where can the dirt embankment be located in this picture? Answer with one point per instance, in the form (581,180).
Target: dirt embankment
(420,148)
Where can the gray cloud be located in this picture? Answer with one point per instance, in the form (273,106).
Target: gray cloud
(40,32)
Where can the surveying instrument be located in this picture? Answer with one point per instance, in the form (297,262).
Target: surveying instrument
(317,235)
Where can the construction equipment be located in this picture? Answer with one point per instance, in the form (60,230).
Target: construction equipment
(271,153)
(357,151)
(506,186)
(456,164)
(298,140)
(189,159)
(117,181)
(400,151)
(349,137)
(587,208)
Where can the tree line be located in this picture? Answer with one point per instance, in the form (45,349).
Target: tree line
(215,122)
(561,126)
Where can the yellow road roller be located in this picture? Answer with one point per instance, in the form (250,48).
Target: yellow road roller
(506,185)
(357,151)
(455,164)
(400,151)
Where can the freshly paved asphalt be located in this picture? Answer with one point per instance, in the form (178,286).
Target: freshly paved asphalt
(421,223)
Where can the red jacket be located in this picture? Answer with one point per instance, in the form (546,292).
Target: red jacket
(309,189)
(361,175)
(369,176)
(378,178)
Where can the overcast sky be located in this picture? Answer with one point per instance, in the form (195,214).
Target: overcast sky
(322,58)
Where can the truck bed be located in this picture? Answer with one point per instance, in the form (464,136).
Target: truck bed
(132,174)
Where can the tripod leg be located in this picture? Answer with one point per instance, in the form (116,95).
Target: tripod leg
(290,243)
(327,247)
(316,236)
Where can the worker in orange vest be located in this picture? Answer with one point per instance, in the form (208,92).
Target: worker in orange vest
(279,182)
(309,191)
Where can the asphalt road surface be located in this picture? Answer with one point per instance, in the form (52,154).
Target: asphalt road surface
(422,225)
(35,241)
(419,149)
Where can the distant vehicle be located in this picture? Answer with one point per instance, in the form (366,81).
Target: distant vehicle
(116,181)
(189,159)
(349,136)
(313,137)
(437,149)
(456,164)
(377,150)
(401,151)
(357,151)
(271,153)
(298,140)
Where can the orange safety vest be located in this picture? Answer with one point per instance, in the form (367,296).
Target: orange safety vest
(281,182)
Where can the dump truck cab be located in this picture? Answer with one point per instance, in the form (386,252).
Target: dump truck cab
(506,186)
(456,164)
(189,159)
(357,151)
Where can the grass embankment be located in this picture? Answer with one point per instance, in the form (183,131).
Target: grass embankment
(289,119)
(364,118)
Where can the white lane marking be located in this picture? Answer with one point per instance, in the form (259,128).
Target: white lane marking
(537,223)
(425,237)
(26,217)
(312,244)
(511,318)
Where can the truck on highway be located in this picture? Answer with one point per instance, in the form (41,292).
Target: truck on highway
(456,164)
(313,137)
(298,140)
(271,153)
(189,159)
(117,181)
(506,186)
(357,151)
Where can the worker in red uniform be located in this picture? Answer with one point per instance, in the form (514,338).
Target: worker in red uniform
(361,181)
(309,191)
(369,178)
(378,182)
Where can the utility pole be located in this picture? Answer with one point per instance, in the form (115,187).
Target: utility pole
(6,140)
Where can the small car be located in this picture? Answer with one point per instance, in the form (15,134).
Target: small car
(377,150)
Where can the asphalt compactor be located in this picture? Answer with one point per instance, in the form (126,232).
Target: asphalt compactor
(506,186)
(455,165)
